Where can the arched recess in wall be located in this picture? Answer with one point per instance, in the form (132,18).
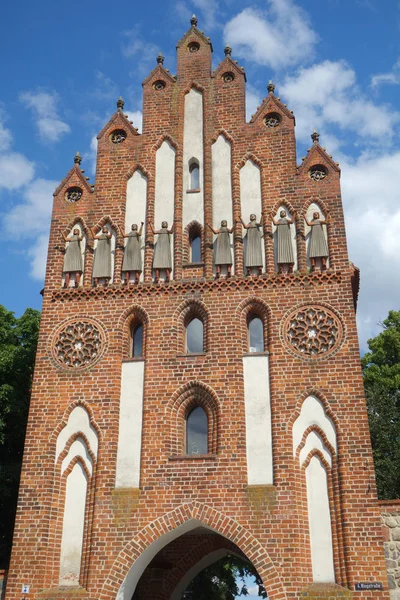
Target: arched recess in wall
(76,224)
(165,192)
(315,451)
(190,396)
(193,157)
(184,314)
(76,455)
(103,273)
(193,243)
(133,324)
(290,263)
(250,202)
(253,316)
(309,210)
(136,205)
(122,579)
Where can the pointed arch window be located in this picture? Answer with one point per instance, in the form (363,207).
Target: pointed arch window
(256,334)
(197,431)
(195,336)
(137,340)
(194,175)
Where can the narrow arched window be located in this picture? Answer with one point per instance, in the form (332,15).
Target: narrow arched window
(194,336)
(137,340)
(194,176)
(197,431)
(256,335)
(195,249)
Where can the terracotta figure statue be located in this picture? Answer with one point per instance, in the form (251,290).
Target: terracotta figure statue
(284,246)
(73,257)
(102,256)
(318,247)
(253,256)
(223,254)
(162,251)
(132,253)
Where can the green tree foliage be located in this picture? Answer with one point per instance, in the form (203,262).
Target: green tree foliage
(18,341)
(224,580)
(381,368)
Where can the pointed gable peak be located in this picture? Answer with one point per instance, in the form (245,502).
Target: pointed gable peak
(195,32)
(119,119)
(76,176)
(159,70)
(229,63)
(270,102)
(317,154)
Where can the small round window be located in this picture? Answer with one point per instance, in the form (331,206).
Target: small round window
(272,120)
(228,77)
(318,172)
(193,47)
(118,136)
(159,85)
(73,194)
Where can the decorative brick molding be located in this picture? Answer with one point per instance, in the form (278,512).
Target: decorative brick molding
(78,343)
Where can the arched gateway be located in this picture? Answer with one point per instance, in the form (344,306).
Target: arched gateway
(135,557)
(198,387)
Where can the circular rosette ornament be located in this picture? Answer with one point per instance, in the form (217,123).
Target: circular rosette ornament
(78,344)
(312,332)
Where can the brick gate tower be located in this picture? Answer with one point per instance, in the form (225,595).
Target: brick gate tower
(197,388)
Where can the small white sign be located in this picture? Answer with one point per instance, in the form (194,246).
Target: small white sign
(25,588)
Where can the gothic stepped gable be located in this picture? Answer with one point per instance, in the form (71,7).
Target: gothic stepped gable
(198,389)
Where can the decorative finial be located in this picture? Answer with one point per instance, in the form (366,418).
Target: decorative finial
(120,103)
(227,50)
(160,58)
(194,21)
(271,87)
(77,158)
(315,136)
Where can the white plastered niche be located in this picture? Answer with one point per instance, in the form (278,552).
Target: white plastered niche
(314,207)
(165,191)
(136,205)
(72,277)
(193,202)
(113,245)
(292,236)
(222,205)
(251,200)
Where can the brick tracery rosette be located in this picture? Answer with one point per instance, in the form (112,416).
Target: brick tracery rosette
(312,331)
(78,343)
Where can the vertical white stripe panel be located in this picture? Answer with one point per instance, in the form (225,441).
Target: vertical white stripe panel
(222,186)
(193,203)
(250,197)
(130,425)
(136,201)
(258,420)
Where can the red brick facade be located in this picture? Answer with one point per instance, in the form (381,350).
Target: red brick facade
(269,524)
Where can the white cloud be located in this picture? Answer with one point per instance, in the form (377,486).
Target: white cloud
(43,104)
(15,171)
(30,221)
(279,37)
(392,77)
(134,46)
(253,101)
(327,94)
(371,197)
(5,134)
(105,88)
(136,116)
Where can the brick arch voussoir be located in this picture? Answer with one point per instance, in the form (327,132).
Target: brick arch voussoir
(322,398)
(57,430)
(286,204)
(193,85)
(75,436)
(138,167)
(74,222)
(189,389)
(316,429)
(166,137)
(107,220)
(316,452)
(249,156)
(220,523)
(314,200)
(224,134)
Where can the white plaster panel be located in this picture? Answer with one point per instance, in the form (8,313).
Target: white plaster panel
(319,518)
(193,203)
(258,420)
(78,421)
(292,235)
(83,249)
(250,198)
(310,211)
(313,413)
(73,526)
(128,586)
(78,448)
(113,244)
(222,187)
(165,189)
(314,442)
(136,205)
(130,425)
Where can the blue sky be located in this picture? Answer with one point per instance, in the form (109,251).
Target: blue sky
(335,63)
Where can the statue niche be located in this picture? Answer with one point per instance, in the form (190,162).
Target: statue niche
(223,254)
(253,258)
(284,241)
(317,245)
(132,262)
(73,258)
